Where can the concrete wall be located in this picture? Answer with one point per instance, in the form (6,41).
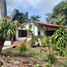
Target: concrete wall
(20,38)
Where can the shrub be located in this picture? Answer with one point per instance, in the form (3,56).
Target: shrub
(43,40)
(48,65)
(59,40)
(36,65)
(51,59)
(23,47)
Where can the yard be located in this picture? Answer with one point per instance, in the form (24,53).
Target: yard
(32,57)
(36,50)
(52,52)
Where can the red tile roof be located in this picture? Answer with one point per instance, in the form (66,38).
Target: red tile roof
(50,25)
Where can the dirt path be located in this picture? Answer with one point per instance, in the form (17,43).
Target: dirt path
(20,62)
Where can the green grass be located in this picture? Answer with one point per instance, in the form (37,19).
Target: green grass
(23,47)
(34,54)
(13,50)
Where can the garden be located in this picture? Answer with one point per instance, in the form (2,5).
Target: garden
(52,52)
(42,50)
(46,55)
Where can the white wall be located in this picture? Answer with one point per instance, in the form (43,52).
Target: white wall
(20,38)
(34,30)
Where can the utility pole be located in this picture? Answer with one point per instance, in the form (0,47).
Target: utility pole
(3,8)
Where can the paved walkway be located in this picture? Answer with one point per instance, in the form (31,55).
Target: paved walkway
(7,46)
(15,43)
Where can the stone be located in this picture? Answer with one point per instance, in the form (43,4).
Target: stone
(6,43)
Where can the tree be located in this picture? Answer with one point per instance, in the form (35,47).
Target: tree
(7,28)
(49,17)
(60,12)
(21,17)
(59,40)
(36,18)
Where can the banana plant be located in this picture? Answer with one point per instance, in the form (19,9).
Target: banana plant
(7,28)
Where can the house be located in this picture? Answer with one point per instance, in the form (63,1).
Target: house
(24,33)
(47,29)
(38,29)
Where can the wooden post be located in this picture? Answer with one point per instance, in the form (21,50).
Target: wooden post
(3,8)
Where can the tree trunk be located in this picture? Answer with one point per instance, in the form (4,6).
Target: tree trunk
(1,44)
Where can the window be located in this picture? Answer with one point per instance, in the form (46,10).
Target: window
(22,33)
(50,32)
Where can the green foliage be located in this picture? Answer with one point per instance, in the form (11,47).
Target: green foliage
(60,11)
(51,59)
(48,65)
(49,17)
(21,17)
(35,17)
(36,65)
(43,40)
(60,7)
(23,48)
(6,27)
(59,40)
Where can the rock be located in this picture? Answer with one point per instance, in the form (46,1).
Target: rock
(29,65)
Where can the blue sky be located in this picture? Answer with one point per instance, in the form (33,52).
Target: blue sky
(34,7)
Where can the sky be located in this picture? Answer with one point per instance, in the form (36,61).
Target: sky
(34,7)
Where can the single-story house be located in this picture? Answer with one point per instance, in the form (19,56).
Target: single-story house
(37,28)
(48,29)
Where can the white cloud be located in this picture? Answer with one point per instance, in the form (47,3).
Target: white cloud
(39,6)
(35,3)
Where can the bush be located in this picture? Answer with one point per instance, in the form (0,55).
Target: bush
(59,40)
(23,47)
(43,40)
(36,65)
(51,58)
(48,65)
